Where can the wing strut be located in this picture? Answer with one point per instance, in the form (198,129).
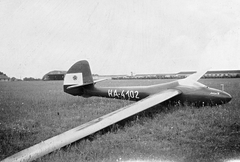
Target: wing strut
(91,127)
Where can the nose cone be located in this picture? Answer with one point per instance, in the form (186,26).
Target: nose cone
(226,97)
(219,97)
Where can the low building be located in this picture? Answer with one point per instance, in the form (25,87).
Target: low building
(184,74)
(54,75)
(215,74)
(111,76)
(223,74)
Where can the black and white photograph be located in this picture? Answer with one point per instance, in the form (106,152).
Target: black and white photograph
(120,81)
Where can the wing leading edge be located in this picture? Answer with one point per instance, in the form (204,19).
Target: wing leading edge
(91,127)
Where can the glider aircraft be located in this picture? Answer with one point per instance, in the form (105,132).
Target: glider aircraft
(78,81)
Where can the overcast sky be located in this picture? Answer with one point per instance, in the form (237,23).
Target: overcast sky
(118,37)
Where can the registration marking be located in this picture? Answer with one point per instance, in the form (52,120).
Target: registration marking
(124,94)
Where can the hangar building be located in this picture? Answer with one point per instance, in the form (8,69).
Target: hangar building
(54,75)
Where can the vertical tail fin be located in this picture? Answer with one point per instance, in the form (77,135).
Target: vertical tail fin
(76,77)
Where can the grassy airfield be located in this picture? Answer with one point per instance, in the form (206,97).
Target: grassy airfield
(31,112)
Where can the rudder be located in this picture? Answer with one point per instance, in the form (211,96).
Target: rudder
(77,77)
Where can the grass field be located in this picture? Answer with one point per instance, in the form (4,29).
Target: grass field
(31,112)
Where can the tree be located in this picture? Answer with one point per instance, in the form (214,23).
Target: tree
(1,73)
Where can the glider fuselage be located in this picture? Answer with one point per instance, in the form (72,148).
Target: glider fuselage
(79,82)
(197,94)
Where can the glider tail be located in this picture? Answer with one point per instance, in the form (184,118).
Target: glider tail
(77,77)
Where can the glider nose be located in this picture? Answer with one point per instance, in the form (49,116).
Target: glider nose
(226,96)
(219,97)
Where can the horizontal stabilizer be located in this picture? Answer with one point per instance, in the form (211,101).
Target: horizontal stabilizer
(81,85)
(78,85)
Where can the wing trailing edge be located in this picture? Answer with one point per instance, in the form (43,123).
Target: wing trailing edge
(91,127)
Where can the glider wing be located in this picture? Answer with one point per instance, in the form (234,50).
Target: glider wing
(196,76)
(192,78)
(127,111)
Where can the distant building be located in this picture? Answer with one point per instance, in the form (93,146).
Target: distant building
(209,74)
(54,75)
(109,76)
(214,74)
(4,78)
(223,74)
